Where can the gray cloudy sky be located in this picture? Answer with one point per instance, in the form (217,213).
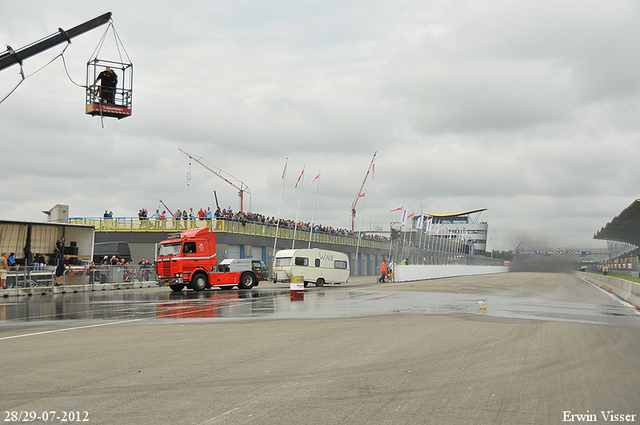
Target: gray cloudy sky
(529,109)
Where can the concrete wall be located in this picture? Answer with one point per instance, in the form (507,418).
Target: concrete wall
(423,272)
(628,291)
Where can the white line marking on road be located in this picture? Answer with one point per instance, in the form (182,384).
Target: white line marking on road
(219,416)
(69,329)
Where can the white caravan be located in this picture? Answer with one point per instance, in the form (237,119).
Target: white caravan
(315,265)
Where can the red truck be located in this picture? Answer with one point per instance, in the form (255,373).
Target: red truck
(190,260)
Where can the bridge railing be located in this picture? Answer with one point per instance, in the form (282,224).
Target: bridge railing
(134,224)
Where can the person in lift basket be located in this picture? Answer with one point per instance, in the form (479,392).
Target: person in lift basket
(109,80)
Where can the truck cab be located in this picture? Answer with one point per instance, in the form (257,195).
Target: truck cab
(190,260)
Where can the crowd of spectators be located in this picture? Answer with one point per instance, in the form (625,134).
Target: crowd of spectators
(250,217)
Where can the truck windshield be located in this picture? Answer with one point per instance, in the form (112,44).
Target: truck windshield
(283,262)
(169,249)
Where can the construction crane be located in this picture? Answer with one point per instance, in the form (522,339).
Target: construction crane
(233,181)
(359,195)
(12,57)
(165,205)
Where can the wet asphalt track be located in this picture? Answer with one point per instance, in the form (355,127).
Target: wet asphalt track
(364,352)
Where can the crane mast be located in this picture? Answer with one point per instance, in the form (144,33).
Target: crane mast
(233,181)
(359,194)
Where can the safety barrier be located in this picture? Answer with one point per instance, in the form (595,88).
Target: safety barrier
(405,273)
(42,279)
(628,291)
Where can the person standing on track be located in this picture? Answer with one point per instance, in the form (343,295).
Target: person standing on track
(383,271)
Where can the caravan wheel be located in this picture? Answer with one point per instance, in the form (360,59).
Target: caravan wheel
(320,282)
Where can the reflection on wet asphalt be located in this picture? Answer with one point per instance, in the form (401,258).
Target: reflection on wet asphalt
(329,302)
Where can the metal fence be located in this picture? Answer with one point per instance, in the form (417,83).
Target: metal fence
(45,276)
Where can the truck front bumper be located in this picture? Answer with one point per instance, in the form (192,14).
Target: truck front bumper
(170,281)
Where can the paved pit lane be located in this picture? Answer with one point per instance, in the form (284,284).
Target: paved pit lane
(547,345)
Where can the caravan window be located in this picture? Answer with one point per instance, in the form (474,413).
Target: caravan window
(339,264)
(317,262)
(302,261)
(283,262)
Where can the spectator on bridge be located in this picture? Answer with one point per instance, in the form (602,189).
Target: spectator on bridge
(156,217)
(185,218)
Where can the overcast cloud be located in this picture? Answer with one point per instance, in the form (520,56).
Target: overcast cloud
(529,109)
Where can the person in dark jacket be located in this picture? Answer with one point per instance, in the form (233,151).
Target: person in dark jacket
(109,80)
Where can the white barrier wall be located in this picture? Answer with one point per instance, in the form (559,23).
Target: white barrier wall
(628,291)
(422,272)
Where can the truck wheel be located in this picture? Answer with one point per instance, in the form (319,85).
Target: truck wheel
(199,282)
(320,282)
(247,280)
(177,287)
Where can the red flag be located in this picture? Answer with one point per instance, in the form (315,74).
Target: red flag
(397,209)
(300,177)
(285,168)
(314,179)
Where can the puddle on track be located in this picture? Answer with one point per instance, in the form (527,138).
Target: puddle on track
(330,302)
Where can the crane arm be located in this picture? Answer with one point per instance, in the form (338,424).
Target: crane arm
(358,195)
(233,181)
(238,184)
(12,57)
(165,205)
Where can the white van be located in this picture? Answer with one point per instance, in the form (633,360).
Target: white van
(317,266)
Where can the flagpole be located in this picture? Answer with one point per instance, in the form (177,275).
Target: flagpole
(420,249)
(390,238)
(295,227)
(404,234)
(364,201)
(313,216)
(275,241)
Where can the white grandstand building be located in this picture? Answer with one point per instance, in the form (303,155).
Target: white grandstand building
(465,226)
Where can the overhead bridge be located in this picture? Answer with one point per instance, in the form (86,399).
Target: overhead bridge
(239,239)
